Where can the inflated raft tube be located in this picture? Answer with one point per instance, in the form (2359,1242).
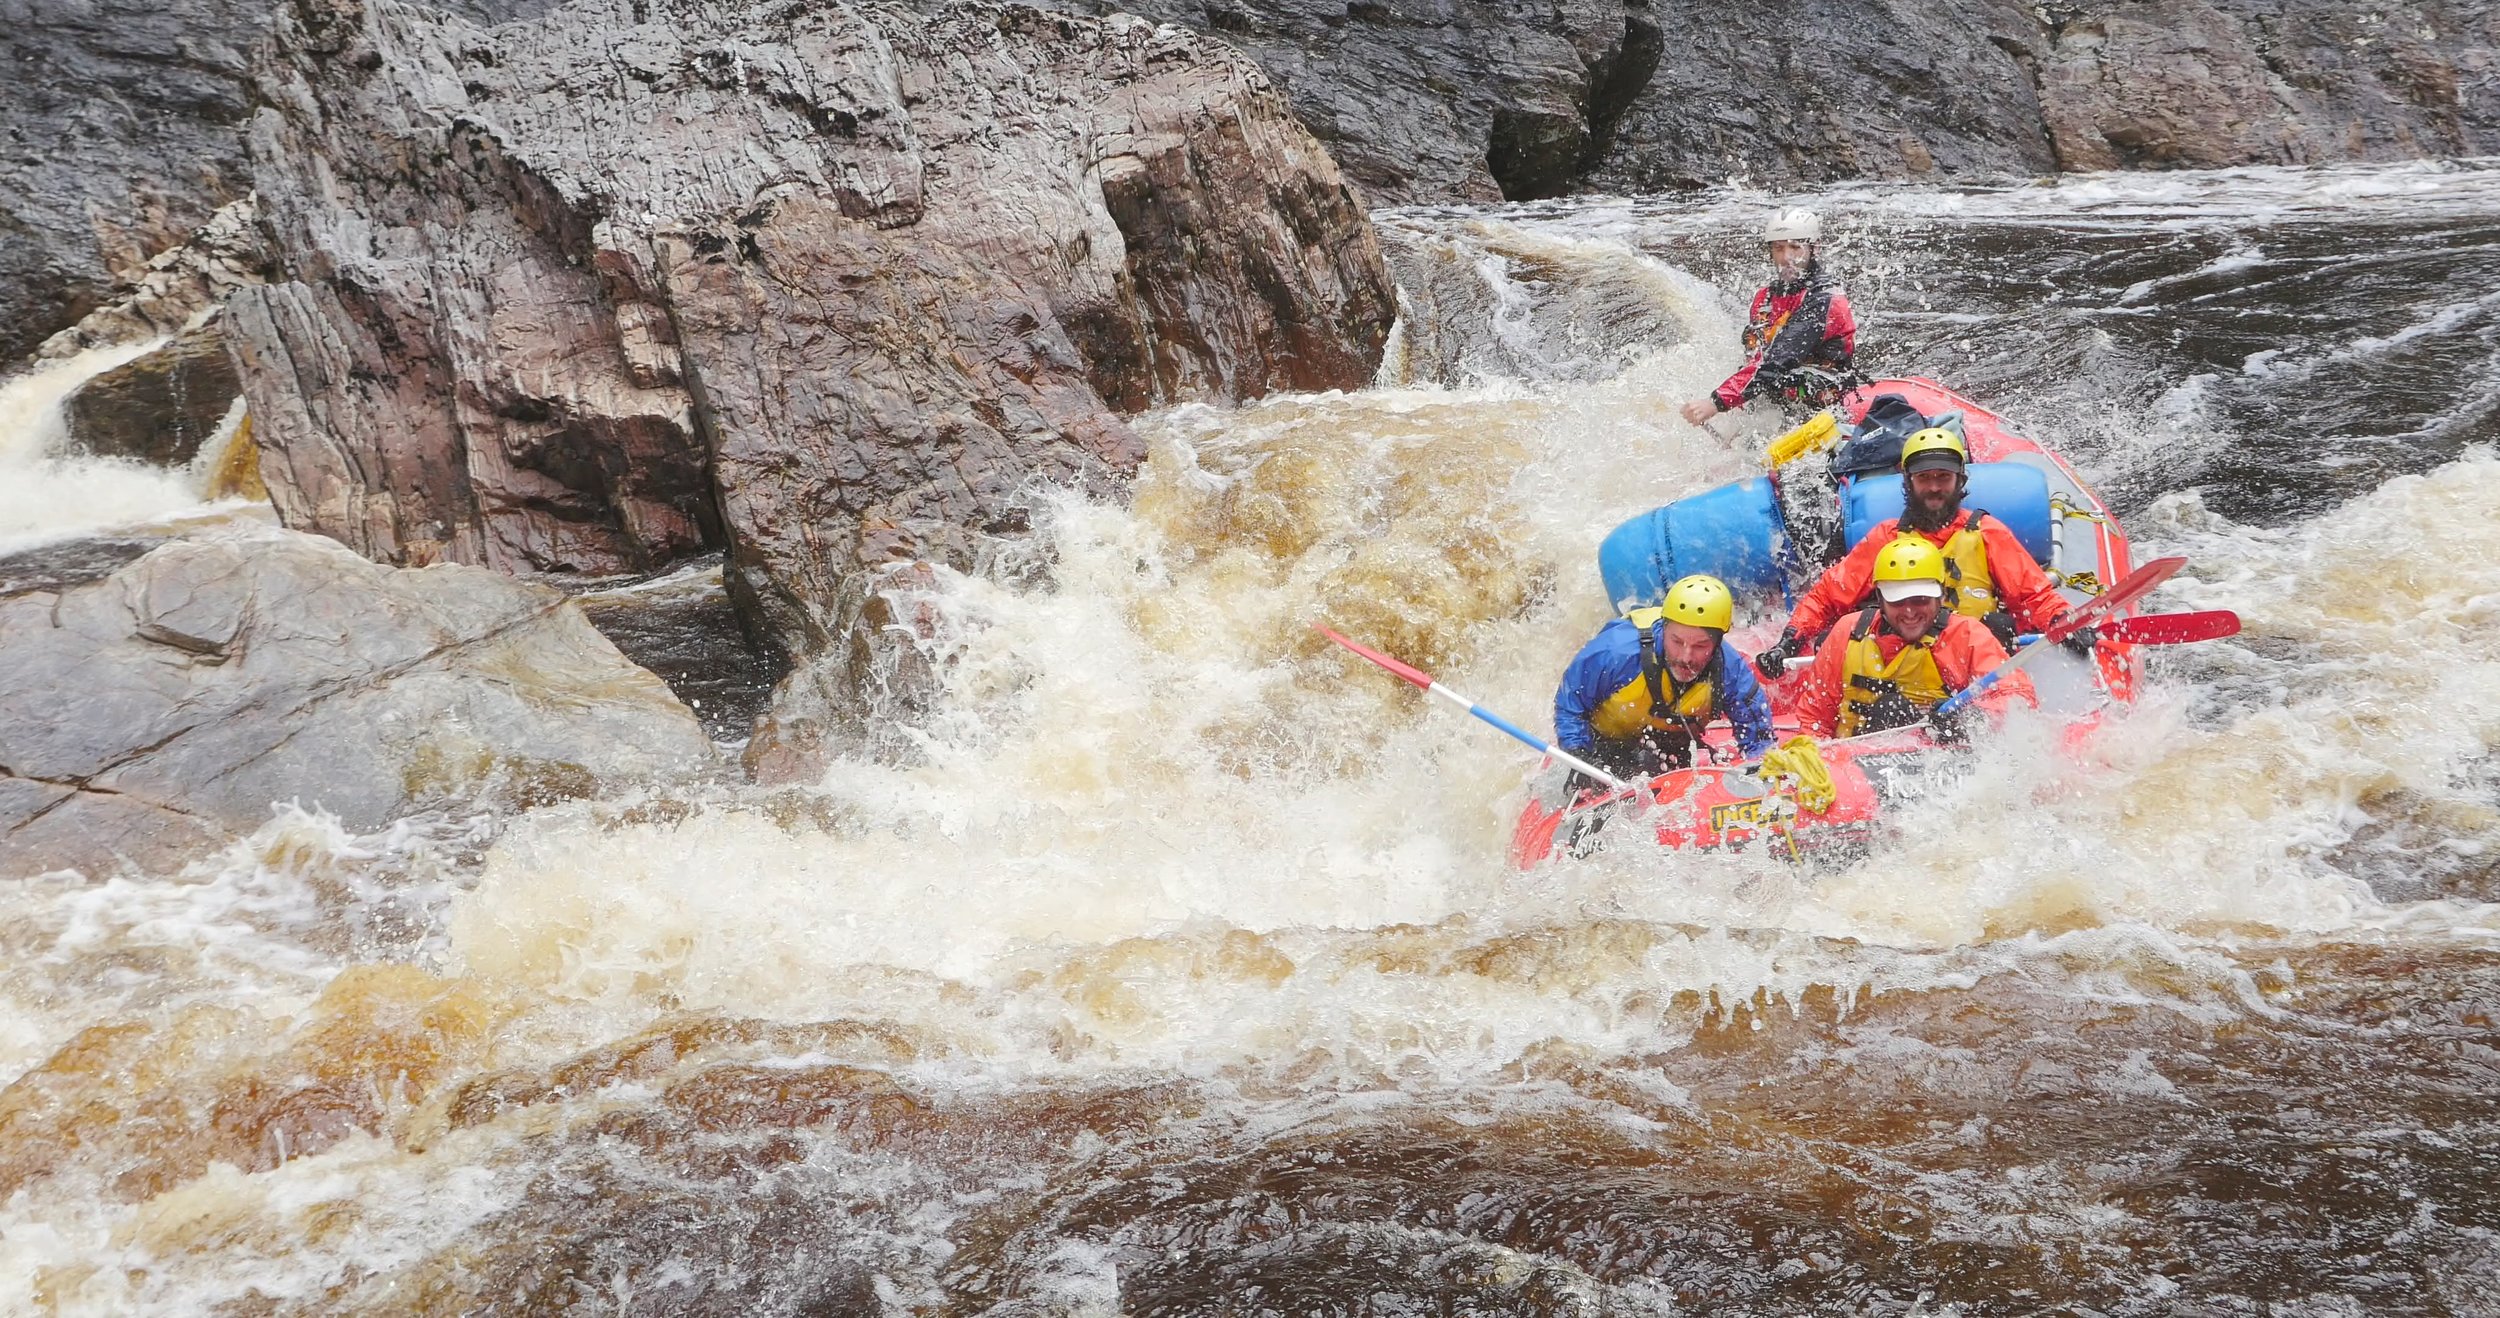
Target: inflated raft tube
(1735,532)
(2014,493)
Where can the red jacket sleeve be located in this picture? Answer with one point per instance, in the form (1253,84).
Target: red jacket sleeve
(1842,324)
(1818,697)
(2025,589)
(1845,583)
(1731,391)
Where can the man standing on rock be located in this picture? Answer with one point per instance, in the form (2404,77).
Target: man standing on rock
(1800,336)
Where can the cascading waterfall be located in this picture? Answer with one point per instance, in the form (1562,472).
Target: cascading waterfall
(48,494)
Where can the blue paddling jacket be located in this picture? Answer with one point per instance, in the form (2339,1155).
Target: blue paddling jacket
(1607,696)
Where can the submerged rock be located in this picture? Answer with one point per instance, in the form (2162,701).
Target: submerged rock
(836,285)
(166,707)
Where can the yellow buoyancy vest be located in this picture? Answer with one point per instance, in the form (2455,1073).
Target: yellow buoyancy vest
(1968,587)
(1866,679)
(1654,699)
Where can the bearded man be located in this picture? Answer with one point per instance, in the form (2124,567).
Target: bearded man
(1988,574)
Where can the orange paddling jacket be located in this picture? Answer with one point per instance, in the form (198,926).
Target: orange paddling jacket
(1863,659)
(1991,570)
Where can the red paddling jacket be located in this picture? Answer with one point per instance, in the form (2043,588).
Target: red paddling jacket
(1990,571)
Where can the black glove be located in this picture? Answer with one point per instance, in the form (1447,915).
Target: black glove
(1774,661)
(2082,640)
(1950,729)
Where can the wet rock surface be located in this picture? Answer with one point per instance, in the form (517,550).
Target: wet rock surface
(167,706)
(833,287)
(120,136)
(1435,102)
(56,567)
(2193,83)
(161,407)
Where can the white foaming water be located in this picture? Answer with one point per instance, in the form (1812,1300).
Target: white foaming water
(1158,826)
(2230,198)
(47,495)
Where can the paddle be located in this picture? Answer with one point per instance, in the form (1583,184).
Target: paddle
(1424,680)
(2173,628)
(2136,586)
(2163,628)
(1816,433)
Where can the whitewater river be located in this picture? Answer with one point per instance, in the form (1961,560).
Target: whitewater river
(1176,969)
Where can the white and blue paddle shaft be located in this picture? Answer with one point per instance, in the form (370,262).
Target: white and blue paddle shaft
(2137,584)
(1424,680)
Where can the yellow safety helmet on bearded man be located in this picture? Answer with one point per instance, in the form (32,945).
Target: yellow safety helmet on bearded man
(1908,568)
(1940,447)
(1701,602)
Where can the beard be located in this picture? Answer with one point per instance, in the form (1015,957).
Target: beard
(1916,516)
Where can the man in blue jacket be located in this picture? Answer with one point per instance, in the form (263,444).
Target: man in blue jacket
(1635,699)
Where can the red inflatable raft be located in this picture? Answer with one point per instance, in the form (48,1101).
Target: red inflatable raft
(1741,534)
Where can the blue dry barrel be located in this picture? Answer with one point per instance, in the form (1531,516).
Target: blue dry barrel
(1731,533)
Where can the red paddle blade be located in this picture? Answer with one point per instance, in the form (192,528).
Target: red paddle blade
(2135,586)
(1411,674)
(2173,628)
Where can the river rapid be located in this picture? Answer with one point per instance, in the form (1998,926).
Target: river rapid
(1172,964)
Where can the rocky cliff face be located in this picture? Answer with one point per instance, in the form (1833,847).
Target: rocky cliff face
(2231,82)
(1433,100)
(120,134)
(1444,100)
(835,284)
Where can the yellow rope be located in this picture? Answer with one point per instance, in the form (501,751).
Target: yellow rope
(1797,766)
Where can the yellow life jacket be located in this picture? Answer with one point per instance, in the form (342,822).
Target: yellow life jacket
(1655,699)
(1874,693)
(1968,588)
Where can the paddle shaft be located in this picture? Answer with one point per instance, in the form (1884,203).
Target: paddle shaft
(1423,679)
(2137,584)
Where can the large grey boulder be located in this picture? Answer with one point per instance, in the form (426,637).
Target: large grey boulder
(166,707)
(837,284)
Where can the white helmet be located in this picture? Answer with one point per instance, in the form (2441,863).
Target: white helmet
(1796,224)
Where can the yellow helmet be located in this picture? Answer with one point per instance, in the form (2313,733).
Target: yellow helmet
(1908,568)
(1935,443)
(1702,602)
